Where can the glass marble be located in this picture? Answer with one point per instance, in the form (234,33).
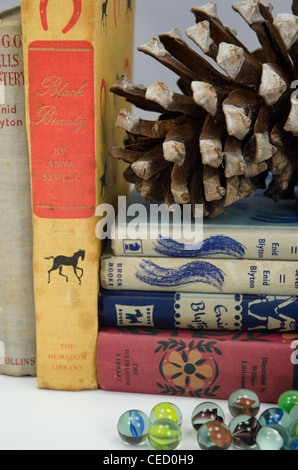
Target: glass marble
(166,410)
(133,427)
(275,415)
(294,413)
(288,400)
(244,402)
(293,443)
(273,437)
(244,429)
(206,411)
(214,435)
(164,434)
(293,428)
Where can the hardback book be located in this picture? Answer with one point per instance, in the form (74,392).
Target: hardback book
(196,363)
(254,228)
(211,276)
(220,312)
(74,52)
(17,322)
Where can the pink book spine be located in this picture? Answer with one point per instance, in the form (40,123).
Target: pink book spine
(196,363)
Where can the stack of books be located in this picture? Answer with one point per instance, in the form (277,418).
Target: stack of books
(206,318)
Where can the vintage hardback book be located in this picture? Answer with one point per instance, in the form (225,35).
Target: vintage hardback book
(196,363)
(17,323)
(254,228)
(74,51)
(211,276)
(221,312)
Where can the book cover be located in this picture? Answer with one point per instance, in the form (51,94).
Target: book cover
(17,323)
(211,276)
(192,311)
(253,228)
(196,363)
(73,53)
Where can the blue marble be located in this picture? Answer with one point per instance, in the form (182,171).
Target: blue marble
(275,415)
(133,427)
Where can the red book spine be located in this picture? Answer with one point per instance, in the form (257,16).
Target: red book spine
(62,119)
(196,363)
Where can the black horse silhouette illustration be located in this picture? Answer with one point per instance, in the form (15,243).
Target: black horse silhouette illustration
(61,261)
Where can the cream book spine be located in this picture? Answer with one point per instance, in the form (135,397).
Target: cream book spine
(17,322)
(225,276)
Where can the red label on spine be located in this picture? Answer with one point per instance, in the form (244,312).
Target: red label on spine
(62,128)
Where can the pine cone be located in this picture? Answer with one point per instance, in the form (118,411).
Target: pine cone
(217,139)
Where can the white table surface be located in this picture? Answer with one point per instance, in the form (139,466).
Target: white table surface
(34,419)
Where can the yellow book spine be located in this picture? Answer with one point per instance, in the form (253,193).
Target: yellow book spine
(73,52)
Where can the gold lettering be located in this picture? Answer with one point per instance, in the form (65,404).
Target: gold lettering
(54,87)
(60,177)
(60,151)
(46,116)
(60,164)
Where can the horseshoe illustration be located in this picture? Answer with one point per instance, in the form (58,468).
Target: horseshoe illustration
(73,20)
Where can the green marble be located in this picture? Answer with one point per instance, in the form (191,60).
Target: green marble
(166,410)
(288,400)
(164,434)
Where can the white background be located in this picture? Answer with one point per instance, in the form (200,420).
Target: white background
(33,419)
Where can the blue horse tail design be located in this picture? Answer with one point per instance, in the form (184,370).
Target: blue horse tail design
(193,272)
(216,245)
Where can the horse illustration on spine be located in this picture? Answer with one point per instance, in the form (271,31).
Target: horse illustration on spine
(60,261)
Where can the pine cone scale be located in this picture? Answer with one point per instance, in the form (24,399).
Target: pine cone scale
(217,140)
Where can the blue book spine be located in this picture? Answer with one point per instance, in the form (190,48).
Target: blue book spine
(198,311)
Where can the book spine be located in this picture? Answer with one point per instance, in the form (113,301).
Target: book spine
(180,310)
(195,363)
(200,275)
(71,60)
(17,321)
(267,244)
